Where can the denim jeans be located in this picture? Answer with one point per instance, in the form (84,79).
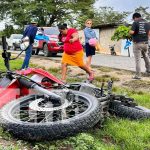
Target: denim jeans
(28,54)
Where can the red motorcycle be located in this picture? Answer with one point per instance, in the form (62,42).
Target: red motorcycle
(35,105)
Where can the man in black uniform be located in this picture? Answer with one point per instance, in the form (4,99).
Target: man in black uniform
(140,32)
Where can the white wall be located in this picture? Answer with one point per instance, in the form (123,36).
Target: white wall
(124,52)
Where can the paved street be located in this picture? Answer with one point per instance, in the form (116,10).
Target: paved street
(119,62)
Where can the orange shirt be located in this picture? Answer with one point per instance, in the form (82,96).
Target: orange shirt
(74,47)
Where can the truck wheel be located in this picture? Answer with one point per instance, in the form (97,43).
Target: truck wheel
(7,47)
(13,47)
(54,54)
(33,52)
(47,53)
(28,122)
(37,51)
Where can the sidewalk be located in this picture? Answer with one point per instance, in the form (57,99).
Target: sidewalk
(119,62)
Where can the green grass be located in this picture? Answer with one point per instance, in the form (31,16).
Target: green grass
(115,134)
(14,64)
(126,134)
(138,84)
(104,69)
(105,78)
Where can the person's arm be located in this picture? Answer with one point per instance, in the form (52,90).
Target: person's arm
(94,35)
(133,28)
(149,38)
(131,32)
(75,37)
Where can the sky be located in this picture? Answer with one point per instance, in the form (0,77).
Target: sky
(118,5)
(123,5)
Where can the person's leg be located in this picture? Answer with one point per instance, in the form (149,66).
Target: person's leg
(89,52)
(146,57)
(64,71)
(88,61)
(27,57)
(88,71)
(137,55)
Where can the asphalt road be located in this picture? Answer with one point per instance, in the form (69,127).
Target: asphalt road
(119,62)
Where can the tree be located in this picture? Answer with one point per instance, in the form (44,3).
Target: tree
(122,32)
(144,12)
(105,15)
(47,12)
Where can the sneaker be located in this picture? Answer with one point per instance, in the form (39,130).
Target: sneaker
(136,77)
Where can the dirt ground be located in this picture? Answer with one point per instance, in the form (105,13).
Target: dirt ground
(120,77)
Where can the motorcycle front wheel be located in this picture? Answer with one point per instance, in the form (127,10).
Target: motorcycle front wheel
(36,117)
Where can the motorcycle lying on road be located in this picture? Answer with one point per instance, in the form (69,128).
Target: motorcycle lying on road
(36,106)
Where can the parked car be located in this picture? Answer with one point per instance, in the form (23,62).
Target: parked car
(14,41)
(47,40)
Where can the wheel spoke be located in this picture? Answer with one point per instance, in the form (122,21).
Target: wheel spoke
(24,113)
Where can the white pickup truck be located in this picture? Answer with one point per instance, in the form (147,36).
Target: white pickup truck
(14,41)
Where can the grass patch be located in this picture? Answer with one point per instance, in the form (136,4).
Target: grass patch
(138,84)
(14,64)
(84,141)
(126,134)
(54,70)
(105,69)
(75,79)
(105,78)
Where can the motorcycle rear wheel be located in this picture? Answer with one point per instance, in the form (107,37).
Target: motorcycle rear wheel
(133,113)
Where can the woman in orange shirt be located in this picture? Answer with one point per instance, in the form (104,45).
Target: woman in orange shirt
(73,51)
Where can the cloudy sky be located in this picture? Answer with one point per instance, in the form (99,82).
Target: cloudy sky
(123,5)
(118,5)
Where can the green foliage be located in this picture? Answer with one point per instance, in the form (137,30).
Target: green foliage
(144,12)
(47,12)
(9,29)
(122,32)
(106,15)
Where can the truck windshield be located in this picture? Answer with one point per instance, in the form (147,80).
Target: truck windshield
(17,36)
(51,31)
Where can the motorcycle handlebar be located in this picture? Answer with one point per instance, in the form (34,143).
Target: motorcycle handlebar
(30,84)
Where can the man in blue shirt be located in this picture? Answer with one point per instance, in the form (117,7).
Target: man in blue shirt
(29,32)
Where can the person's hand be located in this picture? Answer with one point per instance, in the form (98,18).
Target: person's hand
(71,40)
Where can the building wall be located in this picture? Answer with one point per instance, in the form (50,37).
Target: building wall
(105,41)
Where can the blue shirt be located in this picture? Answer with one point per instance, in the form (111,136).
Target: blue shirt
(30,31)
(89,33)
